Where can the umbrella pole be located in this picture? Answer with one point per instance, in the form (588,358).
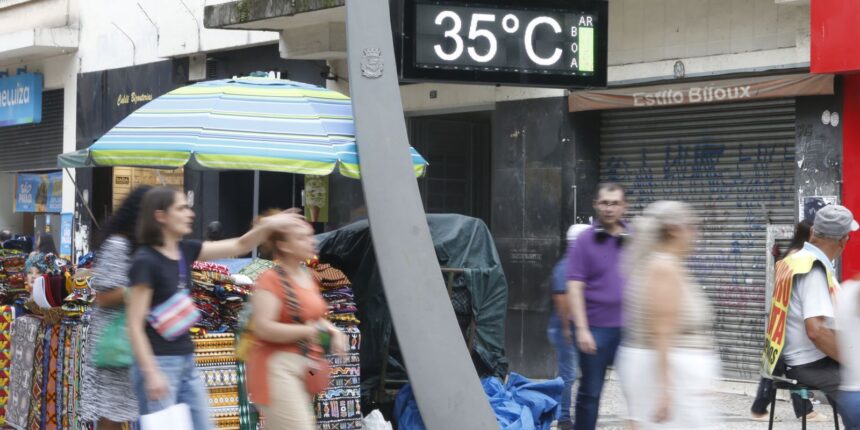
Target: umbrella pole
(256,203)
(86,206)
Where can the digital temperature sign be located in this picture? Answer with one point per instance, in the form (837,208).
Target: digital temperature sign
(538,42)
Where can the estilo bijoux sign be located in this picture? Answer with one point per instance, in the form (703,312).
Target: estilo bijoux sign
(720,91)
(21,99)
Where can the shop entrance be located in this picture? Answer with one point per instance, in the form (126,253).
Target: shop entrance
(457,147)
(735,163)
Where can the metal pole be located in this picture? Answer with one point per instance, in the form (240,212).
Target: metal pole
(293,193)
(81,196)
(444,380)
(256,203)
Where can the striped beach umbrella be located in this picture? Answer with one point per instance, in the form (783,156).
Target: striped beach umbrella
(236,124)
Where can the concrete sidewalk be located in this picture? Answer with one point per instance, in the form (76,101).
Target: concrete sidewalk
(733,406)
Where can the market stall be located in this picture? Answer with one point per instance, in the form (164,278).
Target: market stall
(42,339)
(258,124)
(220,290)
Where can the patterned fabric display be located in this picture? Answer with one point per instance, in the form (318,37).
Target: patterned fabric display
(339,407)
(218,298)
(25,334)
(40,379)
(216,361)
(5,358)
(40,358)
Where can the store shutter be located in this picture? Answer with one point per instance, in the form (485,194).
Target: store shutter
(35,146)
(735,164)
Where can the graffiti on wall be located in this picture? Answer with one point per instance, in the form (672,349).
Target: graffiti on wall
(737,189)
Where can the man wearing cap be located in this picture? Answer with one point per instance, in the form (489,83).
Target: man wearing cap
(801,328)
(594,285)
(560,331)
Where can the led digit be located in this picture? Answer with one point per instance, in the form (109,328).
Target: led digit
(529,36)
(452,33)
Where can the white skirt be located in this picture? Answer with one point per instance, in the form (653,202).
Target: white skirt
(693,374)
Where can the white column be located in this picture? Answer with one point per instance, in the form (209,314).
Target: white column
(70,112)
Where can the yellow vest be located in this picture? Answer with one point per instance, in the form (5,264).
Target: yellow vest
(785,273)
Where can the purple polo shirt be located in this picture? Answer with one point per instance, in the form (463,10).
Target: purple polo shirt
(596,264)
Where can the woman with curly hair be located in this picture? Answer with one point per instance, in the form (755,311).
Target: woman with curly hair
(107,396)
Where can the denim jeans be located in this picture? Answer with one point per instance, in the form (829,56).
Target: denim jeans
(567,360)
(849,408)
(184,385)
(593,368)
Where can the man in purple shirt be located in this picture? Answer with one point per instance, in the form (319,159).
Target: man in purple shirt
(594,285)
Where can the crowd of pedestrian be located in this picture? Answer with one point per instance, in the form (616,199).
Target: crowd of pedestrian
(142,281)
(624,297)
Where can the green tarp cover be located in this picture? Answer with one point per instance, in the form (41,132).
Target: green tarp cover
(460,242)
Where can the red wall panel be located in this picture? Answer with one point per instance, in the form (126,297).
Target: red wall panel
(851,168)
(835,34)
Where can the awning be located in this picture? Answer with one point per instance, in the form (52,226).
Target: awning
(705,92)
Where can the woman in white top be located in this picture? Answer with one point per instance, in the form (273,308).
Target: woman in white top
(847,323)
(666,362)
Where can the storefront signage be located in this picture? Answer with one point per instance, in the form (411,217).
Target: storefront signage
(133,98)
(729,90)
(39,192)
(21,99)
(66,228)
(506,42)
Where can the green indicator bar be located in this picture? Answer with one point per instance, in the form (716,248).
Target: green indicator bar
(586,49)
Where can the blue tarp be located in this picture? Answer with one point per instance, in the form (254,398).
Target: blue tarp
(521,404)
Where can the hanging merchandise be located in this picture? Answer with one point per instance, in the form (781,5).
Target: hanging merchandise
(339,407)
(40,371)
(25,331)
(12,276)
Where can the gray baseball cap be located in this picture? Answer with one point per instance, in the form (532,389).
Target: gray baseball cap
(834,221)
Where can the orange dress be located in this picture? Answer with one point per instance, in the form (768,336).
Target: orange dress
(311,308)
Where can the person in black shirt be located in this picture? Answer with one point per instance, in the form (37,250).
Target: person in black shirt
(159,309)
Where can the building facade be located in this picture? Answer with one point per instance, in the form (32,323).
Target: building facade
(723,113)
(524,160)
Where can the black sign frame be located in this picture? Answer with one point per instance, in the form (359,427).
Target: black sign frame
(410,72)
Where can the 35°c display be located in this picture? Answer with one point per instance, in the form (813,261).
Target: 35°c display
(520,43)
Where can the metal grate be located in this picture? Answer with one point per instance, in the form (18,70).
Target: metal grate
(735,164)
(35,146)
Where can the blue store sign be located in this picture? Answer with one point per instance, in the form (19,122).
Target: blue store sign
(21,99)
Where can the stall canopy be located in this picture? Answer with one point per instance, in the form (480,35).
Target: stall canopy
(460,242)
(236,124)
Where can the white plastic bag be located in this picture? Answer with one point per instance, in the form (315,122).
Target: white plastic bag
(375,421)
(176,417)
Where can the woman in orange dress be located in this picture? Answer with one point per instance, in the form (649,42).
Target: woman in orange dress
(278,362)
